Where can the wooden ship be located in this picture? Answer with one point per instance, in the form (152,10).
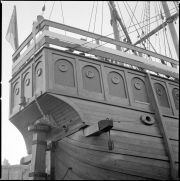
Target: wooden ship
(91,117)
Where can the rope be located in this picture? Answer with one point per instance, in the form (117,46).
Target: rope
(62,14)
(141,28)
(91,15)
(51,10)
(102,17)
(168,44)
(70,168)
(95,17)
(133,13)
(106,36)
(106,42)
(120,13)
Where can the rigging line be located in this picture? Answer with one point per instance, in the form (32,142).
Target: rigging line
(91,15)
(106,42)
(62,14)
(95,16)
(102,17)
(141,29)
(156,11)
(133,13)
(168,44)
(69,168)
(121,14)
(107,36)
(51,10)
(161,20)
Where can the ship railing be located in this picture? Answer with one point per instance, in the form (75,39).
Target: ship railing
(47,25)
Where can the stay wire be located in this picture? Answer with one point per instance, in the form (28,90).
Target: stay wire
(120,13)
(106,42)
(91,16)
(107,36)
(95,17)
(62,14)
(51,10)
(102,17)
(141,28)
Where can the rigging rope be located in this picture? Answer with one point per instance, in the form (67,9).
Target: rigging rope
(121,14)
(51,10)
(107,36)
(168,44)
(141,28)
(95,17)
(62,14)
(91,15)
(133,14)
(104,43)
(102,17)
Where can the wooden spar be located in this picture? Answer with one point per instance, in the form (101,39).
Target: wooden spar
(173,17)
(171,28)
(114,25)
(116,16)
(162,126)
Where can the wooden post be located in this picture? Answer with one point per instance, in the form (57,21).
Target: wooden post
(37,168)
(161,124)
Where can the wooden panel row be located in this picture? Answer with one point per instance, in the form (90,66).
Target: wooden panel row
(109,165)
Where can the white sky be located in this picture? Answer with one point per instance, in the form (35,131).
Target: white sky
(76,14)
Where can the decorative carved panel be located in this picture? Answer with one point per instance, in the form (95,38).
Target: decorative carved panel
(27,85)
(175,94)
(64,73)
(91,79)
(161,95)
(116,85)
(39,76)
(139,90)
(16,94)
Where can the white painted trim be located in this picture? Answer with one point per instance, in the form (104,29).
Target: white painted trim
(102,48)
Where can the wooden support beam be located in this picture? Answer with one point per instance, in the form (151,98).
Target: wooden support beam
(162,126)
(98,128)
(37,168)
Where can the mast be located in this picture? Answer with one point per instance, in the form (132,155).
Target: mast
(114,24)
(171,28)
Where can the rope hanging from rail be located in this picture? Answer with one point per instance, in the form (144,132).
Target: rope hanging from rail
(51,10)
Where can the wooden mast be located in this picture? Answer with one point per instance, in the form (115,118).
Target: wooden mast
(171,28)
(114,24)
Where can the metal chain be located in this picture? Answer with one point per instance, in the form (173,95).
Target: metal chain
(34,87)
